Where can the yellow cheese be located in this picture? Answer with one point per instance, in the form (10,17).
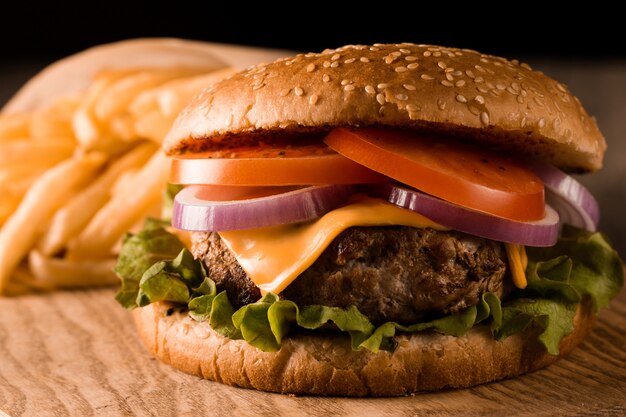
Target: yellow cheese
(274,256)
(517,262)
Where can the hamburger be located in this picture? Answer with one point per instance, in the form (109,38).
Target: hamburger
(374,221)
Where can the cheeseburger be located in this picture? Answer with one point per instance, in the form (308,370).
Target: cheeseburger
(374,221)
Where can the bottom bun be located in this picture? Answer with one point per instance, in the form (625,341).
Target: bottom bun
(324,364)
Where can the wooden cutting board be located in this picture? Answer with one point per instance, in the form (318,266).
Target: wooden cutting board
(76,354)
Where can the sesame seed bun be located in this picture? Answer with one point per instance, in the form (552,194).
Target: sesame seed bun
(459,92)
(322,365)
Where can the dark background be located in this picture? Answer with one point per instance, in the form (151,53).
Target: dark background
(54,29)
(582,48)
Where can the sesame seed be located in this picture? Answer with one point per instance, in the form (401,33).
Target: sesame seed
(346,82)
(400,69)
(441,104)
(449,69)
(411,107)
(284,92)
(364,59)
(299,91)
(482,90)
(349,60)
(511,90)
(461,98)
(369,89)
(449,77)
(326,64)
(501,86)
(525,65)
(258,86)
(410,58)
(427,53)
(335,64)
(326,78)
(310,68)
(447,83)
(437,53)
(561,87)
(348,87)
(313,99)
(441,65)
(520,99)
(542,123)
(470,73)
(515,86)
(473,109)
(479,99)
(382,86)
(479,68)
(402,97)
(389,59)
(380,98)
(409,87)
(484,118)
(373,48)
(523,123)
(396,54)
(413,65)
(489,84)
(457,73)
(405,51)
(335,57)
(479,80)
(538,101)
(426,77)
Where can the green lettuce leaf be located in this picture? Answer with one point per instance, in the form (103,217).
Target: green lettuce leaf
(154,266)
(139,252)
(595,269)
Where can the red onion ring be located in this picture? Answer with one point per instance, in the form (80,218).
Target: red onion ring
(573,202)
(191,212)
(536,233)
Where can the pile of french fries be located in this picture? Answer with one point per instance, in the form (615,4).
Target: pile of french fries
(75,176)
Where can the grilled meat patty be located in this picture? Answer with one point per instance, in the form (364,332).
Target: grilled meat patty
(396,273)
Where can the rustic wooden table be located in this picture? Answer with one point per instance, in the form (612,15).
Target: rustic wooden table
(76,354)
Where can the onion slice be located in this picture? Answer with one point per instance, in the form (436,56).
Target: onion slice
(534,233)
(194,212)
(573,202)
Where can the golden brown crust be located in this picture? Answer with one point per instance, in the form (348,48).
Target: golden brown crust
(321,365)
(453,91)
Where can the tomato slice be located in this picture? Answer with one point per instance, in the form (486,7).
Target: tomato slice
(462,174)
(312,164)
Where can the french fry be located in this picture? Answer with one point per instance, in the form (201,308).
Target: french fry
(121,94)
(153,125)
(76,214)
(122,211)
(156,109)
(23,283)
(35,154)
(8,204)
(59,272)
(172,96)
(54,121)
(87,129)
(50,191)
(14,126)
(16,179)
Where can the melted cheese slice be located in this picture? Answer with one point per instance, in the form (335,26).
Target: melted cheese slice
(274,256)
(517,262)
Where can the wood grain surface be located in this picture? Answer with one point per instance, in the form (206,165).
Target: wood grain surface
(77,354)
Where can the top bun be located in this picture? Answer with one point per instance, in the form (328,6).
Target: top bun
(459,92)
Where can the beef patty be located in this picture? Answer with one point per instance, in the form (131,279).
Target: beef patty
(397,273)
